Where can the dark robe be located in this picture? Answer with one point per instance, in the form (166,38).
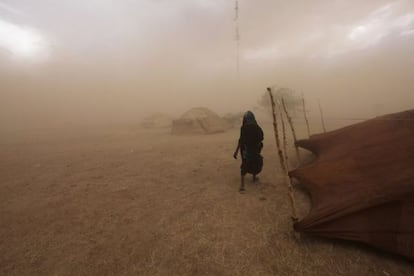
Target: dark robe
(250,141)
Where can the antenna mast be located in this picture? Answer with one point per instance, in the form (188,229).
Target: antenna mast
(237,38)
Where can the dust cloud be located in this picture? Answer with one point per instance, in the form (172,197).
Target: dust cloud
(97,179)
(98,62)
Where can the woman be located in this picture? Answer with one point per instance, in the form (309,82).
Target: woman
(250,145)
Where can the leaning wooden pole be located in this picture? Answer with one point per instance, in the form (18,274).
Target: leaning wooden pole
(282,120)
(292,128)
(281,158)
(322,119)
(275,128)
(306,117)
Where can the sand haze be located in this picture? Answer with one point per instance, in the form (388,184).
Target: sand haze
(89,187)
(99,61)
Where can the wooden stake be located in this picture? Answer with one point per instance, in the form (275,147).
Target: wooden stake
(322,119)
(292,128)
(304,114)
(281,158)
(275,128)
(279,105)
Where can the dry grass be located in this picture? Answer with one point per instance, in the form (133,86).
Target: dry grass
(128,202)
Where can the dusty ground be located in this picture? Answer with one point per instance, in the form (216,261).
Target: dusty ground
(124,201)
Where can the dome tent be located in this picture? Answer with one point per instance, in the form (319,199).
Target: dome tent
(199,120)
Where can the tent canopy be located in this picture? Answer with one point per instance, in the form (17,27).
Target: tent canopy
(362,183)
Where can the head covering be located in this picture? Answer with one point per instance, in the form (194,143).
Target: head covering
(248,118)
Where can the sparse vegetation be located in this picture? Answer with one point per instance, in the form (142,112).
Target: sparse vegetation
(122,202)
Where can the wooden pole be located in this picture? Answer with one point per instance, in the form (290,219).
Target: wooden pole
(281,158)
(304,114)
(292,128)
(275,128)
(279,105)
(322,119)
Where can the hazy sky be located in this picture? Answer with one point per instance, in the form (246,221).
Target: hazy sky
(91,60)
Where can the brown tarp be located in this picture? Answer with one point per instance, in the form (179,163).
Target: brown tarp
(362,183)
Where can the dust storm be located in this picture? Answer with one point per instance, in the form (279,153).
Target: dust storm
(93,179)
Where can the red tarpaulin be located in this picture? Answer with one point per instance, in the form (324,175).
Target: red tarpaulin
(362,183)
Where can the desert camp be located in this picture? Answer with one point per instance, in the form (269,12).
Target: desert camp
(126,137)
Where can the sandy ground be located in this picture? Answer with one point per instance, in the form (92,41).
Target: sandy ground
(125,201)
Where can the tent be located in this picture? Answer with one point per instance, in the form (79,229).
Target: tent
(362,183)
(199,120)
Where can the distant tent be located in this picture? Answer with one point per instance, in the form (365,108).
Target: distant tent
(362,183)
(158,120)
(199,121)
